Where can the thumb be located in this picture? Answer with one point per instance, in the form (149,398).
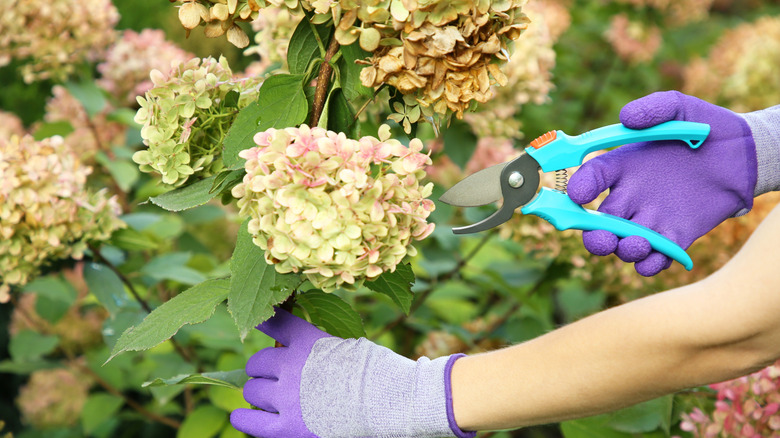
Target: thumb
(653,109)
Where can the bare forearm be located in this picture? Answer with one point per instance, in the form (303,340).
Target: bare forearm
(714,330)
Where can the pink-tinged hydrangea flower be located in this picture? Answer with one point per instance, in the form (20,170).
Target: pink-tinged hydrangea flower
(46,210)
(741,68)
(55,35)
(745,407)
(633,41)
(125,71)
(10,125)
(186,116)
(337,210)
(54,398)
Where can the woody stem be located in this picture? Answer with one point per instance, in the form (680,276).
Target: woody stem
(323,82)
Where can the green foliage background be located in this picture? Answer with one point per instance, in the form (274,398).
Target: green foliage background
(471,293)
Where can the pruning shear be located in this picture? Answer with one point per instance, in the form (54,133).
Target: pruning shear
(517,182)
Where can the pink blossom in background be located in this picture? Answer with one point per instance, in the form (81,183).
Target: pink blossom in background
(745,407)
(633,41)
(125,71)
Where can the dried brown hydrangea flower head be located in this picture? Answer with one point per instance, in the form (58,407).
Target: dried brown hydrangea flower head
(219,17)
(444,53)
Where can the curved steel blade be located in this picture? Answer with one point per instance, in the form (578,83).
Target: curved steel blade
(480,188)
(502,215)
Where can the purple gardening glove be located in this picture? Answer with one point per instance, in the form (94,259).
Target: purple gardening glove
(666,186)
(323,386)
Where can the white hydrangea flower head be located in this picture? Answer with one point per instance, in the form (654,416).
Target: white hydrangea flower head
(186,116)
(338,210)
(46,210)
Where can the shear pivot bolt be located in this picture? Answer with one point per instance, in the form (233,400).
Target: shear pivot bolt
(515,179)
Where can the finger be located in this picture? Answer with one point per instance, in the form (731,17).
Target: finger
(257,423)
(286,327)
(652,109)
(262,393)
(267,363)
(653,264)
(592,178)
(633,249)
(600,242)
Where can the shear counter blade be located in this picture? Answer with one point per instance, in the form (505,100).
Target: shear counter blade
(480,188)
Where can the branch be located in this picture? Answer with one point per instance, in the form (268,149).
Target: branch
(323,82)
(422,296)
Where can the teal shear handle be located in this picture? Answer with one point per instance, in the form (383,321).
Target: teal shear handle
(556,151)
(556,208)
(560,150)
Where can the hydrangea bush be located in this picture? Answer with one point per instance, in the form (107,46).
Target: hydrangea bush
(325,210)
(46,210)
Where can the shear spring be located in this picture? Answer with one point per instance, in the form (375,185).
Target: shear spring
(561,180)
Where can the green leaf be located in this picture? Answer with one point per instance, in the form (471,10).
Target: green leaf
(106,286)
(99,408)
(649,418)
(132,240)
(645,417)
(89,95)
(227,399)
(239,137)
(459,143)
(591,427)
(576,301)
(125,173)
(204,422)
(303,48)
(27,346)
(55,296)
(255,286)
(187,197)
(281,103)
(125,116)
(234,379)
(341,115)
(231,99)
(397,285)
(173,267)
(332,314)
(349,74)
(49,129)
(192,306)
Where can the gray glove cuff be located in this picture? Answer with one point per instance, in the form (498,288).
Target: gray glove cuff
(765,126)
(355,388)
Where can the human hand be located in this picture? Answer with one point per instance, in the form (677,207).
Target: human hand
(318,385)
(680,192)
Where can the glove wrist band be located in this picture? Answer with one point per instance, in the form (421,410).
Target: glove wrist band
(765,128)
(448,391)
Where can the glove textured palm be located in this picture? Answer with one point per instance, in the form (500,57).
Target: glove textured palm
(667,186)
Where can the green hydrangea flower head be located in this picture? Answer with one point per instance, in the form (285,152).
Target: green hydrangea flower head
(186,116)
